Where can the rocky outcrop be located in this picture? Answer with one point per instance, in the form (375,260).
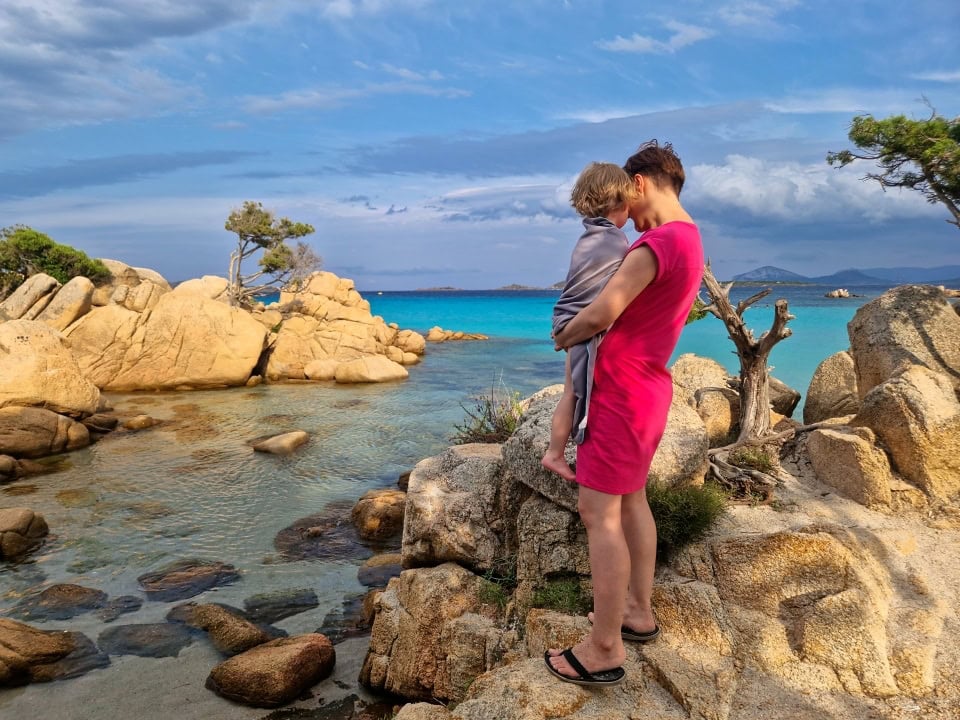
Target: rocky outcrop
(849,460)
(906,326)
(209,286)
(21,530)
(833,389)
(28,655)
(29,300)
(135,289)
(28,432)
(437,334)
(273,606)
(707,387)
(274,673)
(38,369)
(378,515)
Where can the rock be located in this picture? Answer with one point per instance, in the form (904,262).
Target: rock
(838,293)
(35,289)
(833,389)
(71,302)
(423,711)
(136,289)
(101,423)
(185,578)
(325,369)
(274,673)
(122,605)
(454,509)
(281,444)
(848,460)
(30,655)
(209,286)
(378,515)
(438,334)
(270,607)
(407,655)
(8,467)
(411,342)
(374,368)
(59,602)
(707,387)
(21,530)
(328,535)
(353,618)
(545,629)
(907,325)
(186,340)
(27,432)
(37,369)
(154,640)
(551,543)
(917,416)
(783,398)
(377,571)
(681,457)
(229,632)
(140,422)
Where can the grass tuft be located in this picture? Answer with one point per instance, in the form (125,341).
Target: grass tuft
(752,458)
(565,595)
(493,419)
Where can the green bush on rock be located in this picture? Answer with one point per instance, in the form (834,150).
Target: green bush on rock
(25,252)
(493,419)
(683,514)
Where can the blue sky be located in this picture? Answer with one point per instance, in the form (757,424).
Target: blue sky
(434,143)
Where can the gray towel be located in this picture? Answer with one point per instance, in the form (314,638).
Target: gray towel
(595,258)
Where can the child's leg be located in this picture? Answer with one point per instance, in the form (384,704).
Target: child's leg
(560,428)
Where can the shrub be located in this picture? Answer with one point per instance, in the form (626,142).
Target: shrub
(565,595)
(493,419)
(697,311)
(25,252)
(752,458)
(683,514)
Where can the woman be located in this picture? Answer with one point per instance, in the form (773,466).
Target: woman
(645,305)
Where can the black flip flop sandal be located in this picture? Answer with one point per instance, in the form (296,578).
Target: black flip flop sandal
(643,637)
(600,678)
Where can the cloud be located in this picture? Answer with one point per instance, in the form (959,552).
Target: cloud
(683,36)
(508,201)
(412,75)
(348,9)
(334,97)
(950,76)
(847,101)
(107,171)
(755,14)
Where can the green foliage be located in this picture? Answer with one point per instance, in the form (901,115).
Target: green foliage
(566,595)
(493,419)
(922,155)
(499,582)
(683,514)
(697,311)
(25,252)
(491,593)
(752,458)
(258,231)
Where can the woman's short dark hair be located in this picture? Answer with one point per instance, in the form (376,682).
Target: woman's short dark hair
(659,163)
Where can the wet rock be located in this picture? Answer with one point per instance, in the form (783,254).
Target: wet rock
(119,606)
(281,444)
(342,709)
(30,655)
(148,640)
(229,631)
(139,422)
(59,602)
(77,497)
(274,606)
(378,515)
(32,432)
(8,467)
(185,578)
(275,673)
(377,571)
(328,535)
(21,530)
(351,619)
(101,423)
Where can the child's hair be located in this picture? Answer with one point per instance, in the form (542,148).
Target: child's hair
(658,163)
(600,189)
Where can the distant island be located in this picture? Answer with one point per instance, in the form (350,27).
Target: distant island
(941,275)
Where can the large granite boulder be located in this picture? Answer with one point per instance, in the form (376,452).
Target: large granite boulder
(37,369)
(378,514)
(136,289)
(849,460)
(917,416)
(907,325)
(833,389)
(706,386)
(422,639)
(29,655)
(551,543)
(21,530)
(274,673)
(186,340)
(457,509)
(209,286)
(29,300)
(371,368)
(72,301)
(29,432)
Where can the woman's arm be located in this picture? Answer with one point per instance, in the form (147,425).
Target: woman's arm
(638,270)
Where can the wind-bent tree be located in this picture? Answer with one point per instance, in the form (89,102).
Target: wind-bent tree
(922,155)
(280,265)
(25,252)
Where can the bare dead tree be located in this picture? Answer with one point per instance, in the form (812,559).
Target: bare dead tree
(754,390)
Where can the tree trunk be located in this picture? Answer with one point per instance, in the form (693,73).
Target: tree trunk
(754,398)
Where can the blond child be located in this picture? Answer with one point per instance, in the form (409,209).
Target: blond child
(601,196)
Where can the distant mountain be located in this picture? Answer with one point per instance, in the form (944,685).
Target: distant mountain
(935,275)
(769,273)
(849,277)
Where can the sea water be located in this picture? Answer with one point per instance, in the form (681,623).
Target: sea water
(191,487)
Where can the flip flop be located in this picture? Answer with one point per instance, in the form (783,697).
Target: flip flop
(600,678)
(642,637)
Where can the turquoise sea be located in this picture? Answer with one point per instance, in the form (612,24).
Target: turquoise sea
(192,487)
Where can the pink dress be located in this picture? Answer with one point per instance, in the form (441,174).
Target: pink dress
(632,387)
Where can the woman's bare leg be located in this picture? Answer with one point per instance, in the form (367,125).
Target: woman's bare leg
(560,427)
(603,648)
(640,531)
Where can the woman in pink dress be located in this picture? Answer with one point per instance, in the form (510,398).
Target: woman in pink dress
(645,305)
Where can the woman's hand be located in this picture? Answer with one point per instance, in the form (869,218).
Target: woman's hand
(639,268)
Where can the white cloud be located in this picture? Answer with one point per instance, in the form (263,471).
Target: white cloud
(944,77)
(755,14)
(348,9)
(328,98)
(683,36)
(412,75)
(790,191)
(848,101)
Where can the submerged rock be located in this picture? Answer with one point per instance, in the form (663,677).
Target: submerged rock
(59,602)
(30,655)
(119,606)
(21,530)
(377,571)
(229,631)
(275,673)
(154,640)
(274,606)
(185,578)
(326,535)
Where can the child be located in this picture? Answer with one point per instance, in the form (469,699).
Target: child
(601,196)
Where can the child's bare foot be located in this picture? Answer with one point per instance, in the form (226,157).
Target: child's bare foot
(558,464)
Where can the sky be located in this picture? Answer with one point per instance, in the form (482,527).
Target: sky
(435,142)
